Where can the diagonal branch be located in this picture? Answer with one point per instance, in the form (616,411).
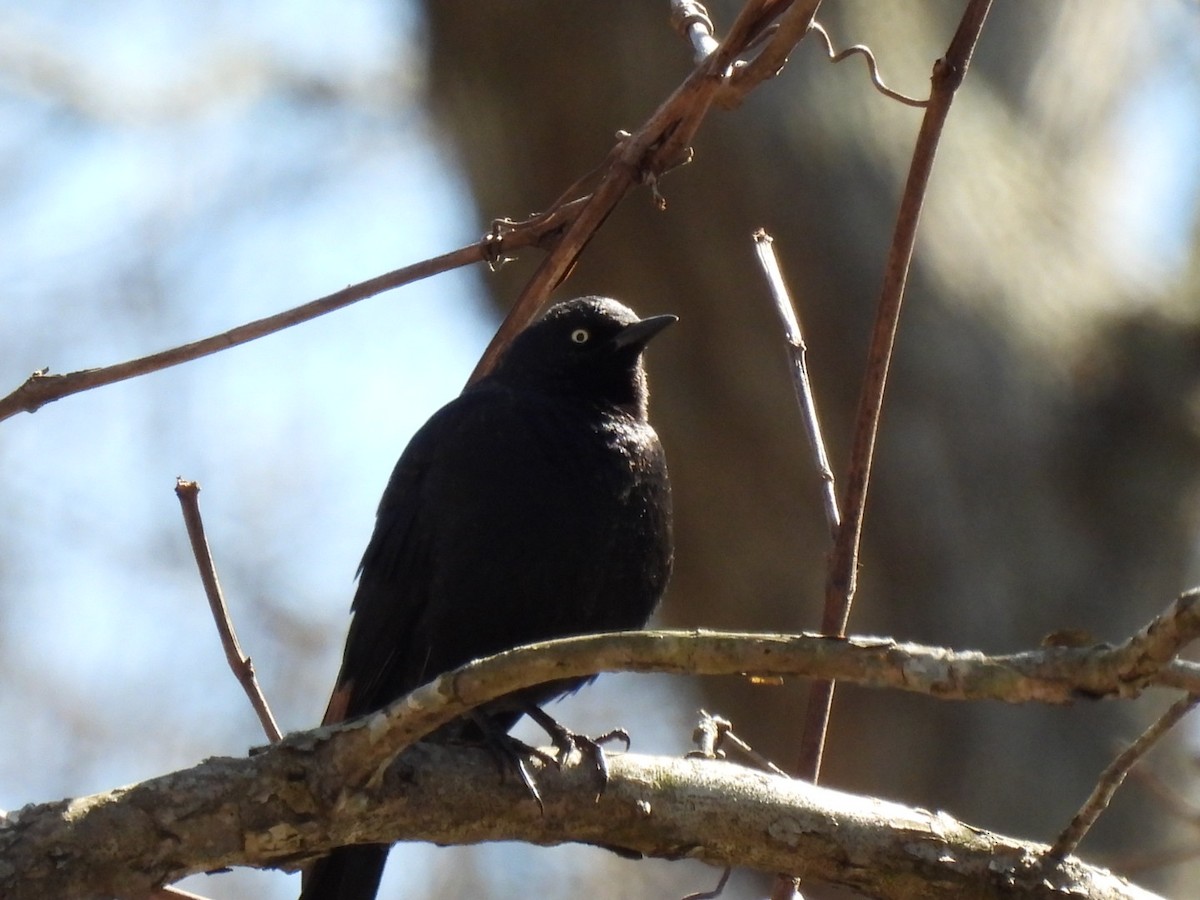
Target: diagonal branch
(507,237)
(661,144)
(1114,775)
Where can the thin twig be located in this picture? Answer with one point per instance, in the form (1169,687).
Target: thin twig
(764,247)
(872,66)
(507,237)
(188,493)
(948,73)
(1113,776)
(716,731)
(842,579)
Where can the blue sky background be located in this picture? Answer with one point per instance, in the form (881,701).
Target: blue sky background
(168,171)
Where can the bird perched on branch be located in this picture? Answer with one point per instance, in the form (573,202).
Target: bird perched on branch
(535,505)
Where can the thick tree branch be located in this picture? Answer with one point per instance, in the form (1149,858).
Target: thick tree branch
(340,785)
(280,807)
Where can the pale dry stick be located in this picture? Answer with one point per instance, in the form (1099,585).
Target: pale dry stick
(764,247)
(1112,778)
(712,732)
(507,236)
(243,669)
(842,579)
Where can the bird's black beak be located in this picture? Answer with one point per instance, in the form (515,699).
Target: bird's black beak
(639,333)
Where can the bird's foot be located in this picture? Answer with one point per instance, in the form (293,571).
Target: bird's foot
(567,742)
(513,755)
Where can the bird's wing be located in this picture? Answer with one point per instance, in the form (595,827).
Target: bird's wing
(393,582)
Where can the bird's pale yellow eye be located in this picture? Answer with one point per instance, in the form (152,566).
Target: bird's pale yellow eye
(580,336)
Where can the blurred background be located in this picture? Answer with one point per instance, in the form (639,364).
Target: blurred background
(170,171)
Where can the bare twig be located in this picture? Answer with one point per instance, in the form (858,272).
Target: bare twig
(713,732)
(842,579)
(188,493)
(1161,639)
(629,163)
(872,66)
(507,237)
(1113,776)
(784,305)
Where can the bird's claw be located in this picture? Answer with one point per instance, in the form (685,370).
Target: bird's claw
(513,755)
(567,743)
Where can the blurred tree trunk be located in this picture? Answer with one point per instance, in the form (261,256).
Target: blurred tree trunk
(1036,468)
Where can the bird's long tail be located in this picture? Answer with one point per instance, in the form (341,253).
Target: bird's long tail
(348,873)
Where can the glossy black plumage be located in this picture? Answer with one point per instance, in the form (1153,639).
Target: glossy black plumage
(535,505)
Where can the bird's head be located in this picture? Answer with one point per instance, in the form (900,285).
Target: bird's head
(590,348)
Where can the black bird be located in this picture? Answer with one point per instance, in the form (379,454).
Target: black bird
(535,505)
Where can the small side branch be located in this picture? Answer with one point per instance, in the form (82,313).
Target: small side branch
(1113,776)
(188,493)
